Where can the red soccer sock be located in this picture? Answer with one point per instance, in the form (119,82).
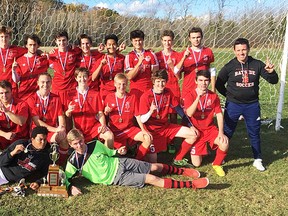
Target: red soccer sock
(185,147)
(142,151)
(167,169)
(170,183)
(220,155)
(63,156)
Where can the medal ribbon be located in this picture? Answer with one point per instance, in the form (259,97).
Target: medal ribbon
(65,60)
(45,102)
(84,97)
(120,111)
(165,60)
(196,61)
(156,103)
(84,159)
(90,61)
(4,60)
(111,67)
(34,63)
(203,106)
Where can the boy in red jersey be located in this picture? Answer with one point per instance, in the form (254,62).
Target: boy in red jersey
(168,58)
(63,60)
(28,67)
(13,116)
(122,107)
(88,59)
(86,108)
(154,108)
(8,54)
(139,64)
(46,110)
(109,65)
(195,58)
(201,105)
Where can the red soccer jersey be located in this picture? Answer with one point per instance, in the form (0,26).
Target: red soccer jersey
(172,83)
(128,109)
(210,104)
(142,81)
(89,62)
(64,65)
(47,110)
(200,60)
(6,61)
(108,73)
(164,101)
(18,107)
(85,117)
(29,70)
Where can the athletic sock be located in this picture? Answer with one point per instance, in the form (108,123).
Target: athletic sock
(185,147)
(142,151)
(170,183)
(168,169)
(220,155)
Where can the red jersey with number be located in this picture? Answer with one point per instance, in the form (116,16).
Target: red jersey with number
(172,83)
(89,62)
(20,108)
(142,81)
(164,101)
(210,105)
(128,106)
(64,65)
(108,72)
(47,109)
(197,59)
(85,117)
(7,59)
(29,69)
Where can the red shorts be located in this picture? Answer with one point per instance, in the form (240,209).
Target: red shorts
(126,138)
(88,136)
(199,147)
(163,138)
(4,143)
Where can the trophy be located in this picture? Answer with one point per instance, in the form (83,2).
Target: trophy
(55,178)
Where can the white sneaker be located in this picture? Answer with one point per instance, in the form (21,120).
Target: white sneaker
(258,164)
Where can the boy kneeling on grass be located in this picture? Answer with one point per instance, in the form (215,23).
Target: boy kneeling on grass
(102,165)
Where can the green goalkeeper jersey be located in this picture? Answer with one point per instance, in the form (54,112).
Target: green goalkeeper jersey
(98,164)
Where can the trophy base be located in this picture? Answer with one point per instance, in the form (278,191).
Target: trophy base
(53,191)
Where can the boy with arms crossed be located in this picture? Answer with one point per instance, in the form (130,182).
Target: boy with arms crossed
(102,165)
(201,105)
(122,107)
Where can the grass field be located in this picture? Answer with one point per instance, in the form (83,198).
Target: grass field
(243,191)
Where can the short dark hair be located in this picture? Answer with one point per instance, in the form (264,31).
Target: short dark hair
(168,33)
(45,74)
(195,30)
(241,41)
(39,130)
(137,34)
(160,74)
(82,36)
(81,70)
(5,84)
(6,30)
(111,37)
(61,33)
(33,37)
(205,73)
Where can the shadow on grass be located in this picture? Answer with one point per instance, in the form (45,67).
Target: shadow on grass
(217,186)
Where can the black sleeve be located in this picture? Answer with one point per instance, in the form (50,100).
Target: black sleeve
(221,81)
(5,157)
(181,113)
(269,77)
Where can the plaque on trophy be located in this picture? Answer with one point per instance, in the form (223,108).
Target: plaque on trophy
(55,178)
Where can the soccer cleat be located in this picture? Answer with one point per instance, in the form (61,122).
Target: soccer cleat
(191,172)
(219,170)
(182,163)
(200,183)
(258,164)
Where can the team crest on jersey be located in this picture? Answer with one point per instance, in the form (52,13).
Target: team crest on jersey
(209,102)
(127,107)
(206,58)
(27,164)
(37,104)
(147,58)
(165,99)
(113,105)
(76,100)
(70,57)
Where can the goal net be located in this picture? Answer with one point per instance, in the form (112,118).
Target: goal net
(263,22)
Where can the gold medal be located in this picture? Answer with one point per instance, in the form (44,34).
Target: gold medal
(157,116)
(4,69)
(81,113)
(202,116)
(110,77)
(120,120)
(196,70)
(63,72)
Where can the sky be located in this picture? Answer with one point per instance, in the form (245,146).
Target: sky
(175,8)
